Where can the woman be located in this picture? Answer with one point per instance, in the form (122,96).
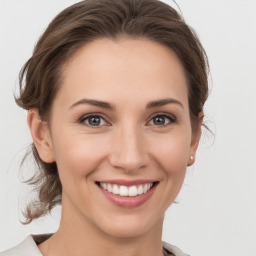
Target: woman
(115,93)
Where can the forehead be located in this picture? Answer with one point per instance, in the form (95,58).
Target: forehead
(128,69)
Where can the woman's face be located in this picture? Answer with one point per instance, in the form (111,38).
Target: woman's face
(120,122)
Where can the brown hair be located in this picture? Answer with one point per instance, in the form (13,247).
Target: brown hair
(86,21)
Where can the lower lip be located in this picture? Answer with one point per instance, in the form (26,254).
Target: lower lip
(128,201)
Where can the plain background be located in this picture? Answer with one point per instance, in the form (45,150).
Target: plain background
(216,213)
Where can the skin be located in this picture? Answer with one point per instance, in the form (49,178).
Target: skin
(128,144)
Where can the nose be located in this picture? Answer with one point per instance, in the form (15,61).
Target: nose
(128,150)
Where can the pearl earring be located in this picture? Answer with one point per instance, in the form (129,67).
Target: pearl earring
(191,157)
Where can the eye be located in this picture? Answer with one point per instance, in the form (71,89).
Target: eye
(93,120)
(162,120)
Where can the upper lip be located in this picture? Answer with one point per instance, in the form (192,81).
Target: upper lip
(127,182)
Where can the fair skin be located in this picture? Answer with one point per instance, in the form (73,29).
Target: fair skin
(127,142)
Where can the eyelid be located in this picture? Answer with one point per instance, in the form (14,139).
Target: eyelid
(82,119)
(171,117)
(86,116)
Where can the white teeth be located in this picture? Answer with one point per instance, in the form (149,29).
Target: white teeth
(140,190)
(109,188)
(115,190)
(125,190)
(133,191)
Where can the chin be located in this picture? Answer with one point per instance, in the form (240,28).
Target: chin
(130,226)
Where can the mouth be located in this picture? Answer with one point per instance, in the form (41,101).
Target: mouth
(123,190)
(127,194)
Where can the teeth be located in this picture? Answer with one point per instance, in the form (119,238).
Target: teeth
(127,191)
(133,191)
(140,190)
(115,190)
(123,191)
(109,187)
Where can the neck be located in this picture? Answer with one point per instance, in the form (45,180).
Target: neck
(79,237)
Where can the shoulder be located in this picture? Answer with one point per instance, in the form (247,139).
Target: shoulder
(173,250)
(28,247)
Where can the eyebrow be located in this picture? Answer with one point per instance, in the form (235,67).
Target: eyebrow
(163,102)
(97,103)
(106,105)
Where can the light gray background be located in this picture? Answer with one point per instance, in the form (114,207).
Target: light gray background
(217,205)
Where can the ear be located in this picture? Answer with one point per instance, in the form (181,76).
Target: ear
(41,136)
(195,140)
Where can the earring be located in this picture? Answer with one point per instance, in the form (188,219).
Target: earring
(191,157)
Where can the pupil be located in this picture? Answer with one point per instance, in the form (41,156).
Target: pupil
(94,121)
(159,120)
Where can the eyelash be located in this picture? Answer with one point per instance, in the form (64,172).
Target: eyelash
(172,119)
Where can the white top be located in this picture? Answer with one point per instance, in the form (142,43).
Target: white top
(28,247)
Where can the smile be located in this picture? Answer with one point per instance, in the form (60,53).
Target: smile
(127,194)
(125,190)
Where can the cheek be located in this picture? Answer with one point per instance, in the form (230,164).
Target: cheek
(171,153)
(78,155)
